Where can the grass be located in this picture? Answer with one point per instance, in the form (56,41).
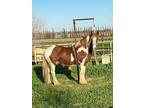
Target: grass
(96,94)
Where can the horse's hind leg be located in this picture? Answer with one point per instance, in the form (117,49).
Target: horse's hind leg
(46,72)
(55,81)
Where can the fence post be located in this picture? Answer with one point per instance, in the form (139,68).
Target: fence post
(35,56)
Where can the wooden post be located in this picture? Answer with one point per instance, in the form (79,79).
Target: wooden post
(35,55)
(74,25)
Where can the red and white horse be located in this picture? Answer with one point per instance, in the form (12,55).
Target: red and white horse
(54,55)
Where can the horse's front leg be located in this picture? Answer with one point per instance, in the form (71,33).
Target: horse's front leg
(46,71)
(82,79)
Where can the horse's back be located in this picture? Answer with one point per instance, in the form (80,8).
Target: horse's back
(59,54)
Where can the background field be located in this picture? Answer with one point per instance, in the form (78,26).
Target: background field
(98,93)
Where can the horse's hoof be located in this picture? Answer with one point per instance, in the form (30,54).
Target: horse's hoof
(83,82)
(56,83)
(49,82)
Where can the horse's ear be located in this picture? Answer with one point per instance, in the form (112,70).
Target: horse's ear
(91,33)
(96,32)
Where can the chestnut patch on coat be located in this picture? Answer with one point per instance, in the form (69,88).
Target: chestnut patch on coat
(81,55)
(61,55)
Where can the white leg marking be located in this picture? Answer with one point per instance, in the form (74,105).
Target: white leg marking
(82,72)
(49,81)
(55,81)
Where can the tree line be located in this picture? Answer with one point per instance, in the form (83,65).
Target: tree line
(40,31)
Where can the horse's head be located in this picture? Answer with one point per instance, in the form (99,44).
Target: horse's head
(88,41)
(94,38)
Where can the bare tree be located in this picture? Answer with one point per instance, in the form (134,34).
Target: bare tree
(38,27)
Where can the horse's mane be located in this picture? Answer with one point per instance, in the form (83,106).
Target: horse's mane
(90,48)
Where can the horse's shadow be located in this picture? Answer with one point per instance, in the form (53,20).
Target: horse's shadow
(38,71)
(64,70)
(59,70)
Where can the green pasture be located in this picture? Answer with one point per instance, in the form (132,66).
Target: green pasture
(98,93)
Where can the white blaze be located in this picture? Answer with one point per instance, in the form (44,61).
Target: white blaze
(94,42)
(88,38)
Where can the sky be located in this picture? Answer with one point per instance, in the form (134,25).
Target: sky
(58,14)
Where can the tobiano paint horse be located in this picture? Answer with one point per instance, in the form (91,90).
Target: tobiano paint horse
(54,55)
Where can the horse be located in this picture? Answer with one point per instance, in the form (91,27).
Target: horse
(55,54)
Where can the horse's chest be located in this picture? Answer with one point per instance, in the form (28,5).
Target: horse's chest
(82,53)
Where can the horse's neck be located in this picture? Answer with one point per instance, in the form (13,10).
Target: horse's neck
(80,43)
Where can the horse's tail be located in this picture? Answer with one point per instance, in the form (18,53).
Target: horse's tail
(45,69)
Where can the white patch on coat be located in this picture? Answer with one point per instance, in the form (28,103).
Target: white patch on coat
(72,58)
(83,49)
(82,71)
(48,51)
